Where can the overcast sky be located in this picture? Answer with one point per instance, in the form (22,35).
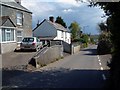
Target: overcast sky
(69,10)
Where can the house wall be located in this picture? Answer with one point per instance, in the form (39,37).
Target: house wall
(26,27)
(59,35)
(66,36)
(7,47)
(27,19)
(45,30)
(63,38)
(0,41)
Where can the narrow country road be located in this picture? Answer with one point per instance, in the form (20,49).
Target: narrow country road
(82,70)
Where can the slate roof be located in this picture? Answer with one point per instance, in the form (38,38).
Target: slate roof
(13,4)
(55,25)
(3,19)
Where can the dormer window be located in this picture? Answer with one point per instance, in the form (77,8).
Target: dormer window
(19,18)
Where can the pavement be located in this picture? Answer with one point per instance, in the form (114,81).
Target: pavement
(81,70)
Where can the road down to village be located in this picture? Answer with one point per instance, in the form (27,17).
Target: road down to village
(84,69)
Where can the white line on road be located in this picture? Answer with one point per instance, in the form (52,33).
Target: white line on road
(99,60)
(104,78)
(100,64)
(101,68)
(98,57)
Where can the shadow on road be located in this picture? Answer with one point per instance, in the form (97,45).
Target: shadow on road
(54,78)
(91,51)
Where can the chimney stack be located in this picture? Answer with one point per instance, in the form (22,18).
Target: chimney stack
(51,18)
(18,1)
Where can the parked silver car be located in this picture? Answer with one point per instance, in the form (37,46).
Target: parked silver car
(32,43)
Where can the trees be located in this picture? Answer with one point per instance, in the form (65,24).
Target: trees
(104,32)
(113,11)
(60,21)
(102,27)
(75,30)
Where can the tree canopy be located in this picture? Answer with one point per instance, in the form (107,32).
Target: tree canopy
(75,30)
(113,22)
(61,21)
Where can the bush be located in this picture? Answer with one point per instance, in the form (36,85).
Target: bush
(104,47)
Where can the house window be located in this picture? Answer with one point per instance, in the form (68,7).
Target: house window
(7,35)
(19,18)
(19,36)
(62,34)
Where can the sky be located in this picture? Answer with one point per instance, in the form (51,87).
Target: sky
(70,10)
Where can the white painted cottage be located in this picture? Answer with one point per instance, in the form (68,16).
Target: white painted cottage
(49,30)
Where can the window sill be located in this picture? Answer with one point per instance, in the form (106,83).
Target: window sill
(19,25)
(9,42)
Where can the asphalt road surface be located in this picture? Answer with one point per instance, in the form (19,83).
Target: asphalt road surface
(81,70)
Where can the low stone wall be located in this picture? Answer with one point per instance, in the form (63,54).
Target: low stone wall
(47,55)
(76,49)
(66,46)
(8,47)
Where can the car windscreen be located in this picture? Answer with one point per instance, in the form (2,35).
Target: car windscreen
(28,39)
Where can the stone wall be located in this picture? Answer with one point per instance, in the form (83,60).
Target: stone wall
(75,47)
(8,47)
(47,55)
(27,19)
(26,28)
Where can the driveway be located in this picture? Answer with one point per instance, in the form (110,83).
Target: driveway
(16,58)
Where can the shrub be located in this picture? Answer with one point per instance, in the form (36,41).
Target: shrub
(104,47)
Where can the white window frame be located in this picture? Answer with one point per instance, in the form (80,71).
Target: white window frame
(5,36)
(19,16)
(19,36)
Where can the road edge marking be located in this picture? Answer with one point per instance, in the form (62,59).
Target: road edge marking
(101,68)
(103,75)
(98,57)
(100,63)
